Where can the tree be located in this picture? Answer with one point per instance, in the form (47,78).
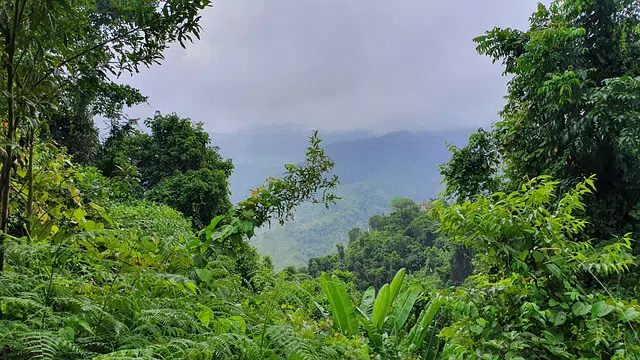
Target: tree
(403,239)
(72,123)
(530,296)
(573,104)
(472,170)
(175,146)
(177,165)
(199,194)
(47,43)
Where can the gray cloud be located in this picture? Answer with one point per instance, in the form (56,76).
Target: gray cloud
(336,65)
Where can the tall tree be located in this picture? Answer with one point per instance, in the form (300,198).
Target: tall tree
(47,43)
(72,125)
(177,164)
(574,103)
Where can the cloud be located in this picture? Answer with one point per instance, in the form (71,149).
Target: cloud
(336,65)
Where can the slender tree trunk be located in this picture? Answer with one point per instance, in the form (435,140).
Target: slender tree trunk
(5,175)
(30,175)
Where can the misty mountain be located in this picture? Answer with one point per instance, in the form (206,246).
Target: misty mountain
(372,171)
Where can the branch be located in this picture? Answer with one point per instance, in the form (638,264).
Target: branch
(82,53)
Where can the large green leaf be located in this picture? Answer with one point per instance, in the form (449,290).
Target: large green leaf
(419,330)
(372,332)
(341,306)
(396,283)
(580,309)
(381,306)
(403,307)
(601,309)
(366,306)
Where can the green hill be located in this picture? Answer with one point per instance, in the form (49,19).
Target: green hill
(372,170)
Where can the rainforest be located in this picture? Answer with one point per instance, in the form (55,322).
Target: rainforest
(124,242)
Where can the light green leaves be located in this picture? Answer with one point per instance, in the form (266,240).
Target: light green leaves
(366,306)
(205,315)
(419,331)
(403,307)
(629,314)
(601,309)
(381,306)
(580,309)
(341,307)
(396,283)
(204,274)
(558,318)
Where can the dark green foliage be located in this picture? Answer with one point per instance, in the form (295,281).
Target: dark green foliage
(472,169)
(176,164)
(530,297)
(175,146)
(573,103)
(403,239)
(72,124)
(196,193)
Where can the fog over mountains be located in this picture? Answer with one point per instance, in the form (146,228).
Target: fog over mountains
(372,169)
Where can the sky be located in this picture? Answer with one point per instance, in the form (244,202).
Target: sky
(336,65)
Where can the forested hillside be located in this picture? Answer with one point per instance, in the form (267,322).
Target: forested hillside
(372,171)
(130,248)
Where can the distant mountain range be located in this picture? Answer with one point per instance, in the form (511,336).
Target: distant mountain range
(372,170)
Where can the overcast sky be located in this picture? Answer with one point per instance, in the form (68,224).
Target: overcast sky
(336,65)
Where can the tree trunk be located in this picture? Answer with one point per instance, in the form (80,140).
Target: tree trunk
(461,267)
(5,176)
(30,175)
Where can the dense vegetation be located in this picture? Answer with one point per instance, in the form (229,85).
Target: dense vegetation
(131,248)
(404,239)
(372,170)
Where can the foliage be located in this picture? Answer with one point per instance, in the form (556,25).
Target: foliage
(195,193)
(573,103)
(380,315)
(175,163)
(539,292)
(131,280)
(72,124)
(472,169)
(403,239)
(48,45)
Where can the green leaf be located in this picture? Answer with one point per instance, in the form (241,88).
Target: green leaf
(559,318)
(403,307)
(79,214)
(366,306)
(372,332)
(601,309)
(629,314)
(381,306)
(212,226)
(396,284)
(240,320)
(580,309)
(476,329)
(90,225)
(204,274)
(205,315)
(341,307)
(419,330)
(555,270)
(538,256)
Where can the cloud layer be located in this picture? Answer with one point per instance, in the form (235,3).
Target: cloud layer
(336,65)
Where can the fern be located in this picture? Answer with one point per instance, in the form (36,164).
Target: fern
(41,345)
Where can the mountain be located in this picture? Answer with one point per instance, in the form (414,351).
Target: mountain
(372,170)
